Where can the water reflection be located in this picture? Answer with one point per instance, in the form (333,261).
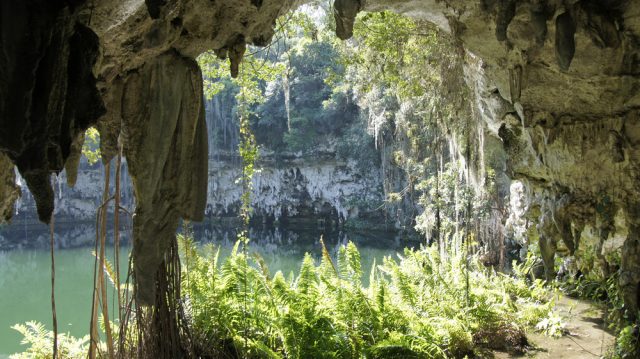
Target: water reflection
(67,235)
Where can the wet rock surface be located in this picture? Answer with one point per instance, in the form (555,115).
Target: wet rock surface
(587,334)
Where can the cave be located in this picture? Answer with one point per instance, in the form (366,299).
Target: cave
(553,94)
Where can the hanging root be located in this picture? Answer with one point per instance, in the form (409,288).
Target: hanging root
(116,231)
(162,329)
(53,290)
(99,299)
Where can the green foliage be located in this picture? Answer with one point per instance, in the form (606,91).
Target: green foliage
(552,326)
(39,342)
(599,282)
(627,343)
(247,90)
(254,73)
(91,146)
(295,96)
(407,78)
(391,48)
(413,307)
(594,286)
(249,154)
(355,143)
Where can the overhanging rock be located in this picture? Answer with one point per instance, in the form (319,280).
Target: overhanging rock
(48,90)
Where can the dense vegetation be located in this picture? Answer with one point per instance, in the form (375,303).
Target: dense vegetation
(371,100)
(419,305)
(297,101)
(401,80)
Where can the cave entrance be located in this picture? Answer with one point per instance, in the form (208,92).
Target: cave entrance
(322,159)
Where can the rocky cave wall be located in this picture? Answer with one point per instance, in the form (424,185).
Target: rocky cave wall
(48,94)
(556,81)
(562,95)
(329,188)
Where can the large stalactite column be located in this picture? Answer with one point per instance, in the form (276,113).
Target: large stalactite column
(165,141)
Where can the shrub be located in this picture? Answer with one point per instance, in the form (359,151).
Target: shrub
(39,341)
(416,306)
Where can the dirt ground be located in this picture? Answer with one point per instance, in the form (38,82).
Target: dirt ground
(587,335)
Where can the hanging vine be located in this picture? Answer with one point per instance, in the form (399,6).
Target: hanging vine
(54,315)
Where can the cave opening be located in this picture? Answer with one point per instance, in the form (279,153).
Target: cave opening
(344,179)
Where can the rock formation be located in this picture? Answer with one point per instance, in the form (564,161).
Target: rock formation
(556,81)
(166,146)
(301,187)
(9,192)
(48,92)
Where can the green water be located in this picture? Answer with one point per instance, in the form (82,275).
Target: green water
(25,281)
(25,284)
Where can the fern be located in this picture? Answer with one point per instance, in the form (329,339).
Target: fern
(39,341)
(414,306)
(349,265)
(307,280)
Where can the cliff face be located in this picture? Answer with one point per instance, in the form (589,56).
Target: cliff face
(316,186)
(555,81)
(327,188)
(306,185)
(73,204)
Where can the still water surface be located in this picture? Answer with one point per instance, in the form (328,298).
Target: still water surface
(25,270)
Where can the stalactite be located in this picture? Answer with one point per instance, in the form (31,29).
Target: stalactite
(167,153)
